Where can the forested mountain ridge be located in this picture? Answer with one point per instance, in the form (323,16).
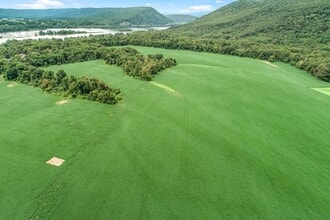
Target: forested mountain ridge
(97,16)
(278,21)
(291,31)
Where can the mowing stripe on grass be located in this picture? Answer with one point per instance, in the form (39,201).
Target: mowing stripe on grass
(269,63)
(325,91)
(166,88)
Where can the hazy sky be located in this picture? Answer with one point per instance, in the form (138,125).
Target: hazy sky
(170,6)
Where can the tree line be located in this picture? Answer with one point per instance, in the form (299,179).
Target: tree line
(60,32)
(51,52)
(22,61)
(13,25)
(316,61)
(60,83)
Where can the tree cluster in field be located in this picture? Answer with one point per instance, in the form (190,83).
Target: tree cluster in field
(56,52)
(136,65)
(60,83)
(23,62)
(60,32)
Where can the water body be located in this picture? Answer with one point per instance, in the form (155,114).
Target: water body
(24,35)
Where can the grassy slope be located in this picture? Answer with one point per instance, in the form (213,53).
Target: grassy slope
(244,139)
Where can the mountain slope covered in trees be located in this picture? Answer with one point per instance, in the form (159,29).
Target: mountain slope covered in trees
(96,16)
(181,19)
(277,21)
(292,31)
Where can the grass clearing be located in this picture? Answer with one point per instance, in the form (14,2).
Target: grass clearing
(245,140)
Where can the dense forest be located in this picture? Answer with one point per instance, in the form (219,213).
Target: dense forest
(285,22)
(22,61)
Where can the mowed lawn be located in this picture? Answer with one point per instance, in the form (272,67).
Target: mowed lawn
(216,137)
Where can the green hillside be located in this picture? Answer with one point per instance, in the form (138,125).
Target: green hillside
(216,137)
(292,31)
(181,19)
(95,16)
(294,22)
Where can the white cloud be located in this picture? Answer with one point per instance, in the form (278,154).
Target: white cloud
(152,4)
(41,4)
(219,1)
(198,8)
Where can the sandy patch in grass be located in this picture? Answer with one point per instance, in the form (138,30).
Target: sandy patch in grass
(269,63)
(55,161)
(62,102)
(166,88)
(325,91)
(11,85)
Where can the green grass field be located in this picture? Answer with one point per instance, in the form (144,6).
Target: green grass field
(216,137)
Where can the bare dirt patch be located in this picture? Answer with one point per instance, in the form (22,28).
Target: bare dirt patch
(166,88)
(55,161)
(269,63)
(62,102)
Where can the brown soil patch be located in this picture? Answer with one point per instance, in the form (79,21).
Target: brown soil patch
(62,102)
(55,161)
